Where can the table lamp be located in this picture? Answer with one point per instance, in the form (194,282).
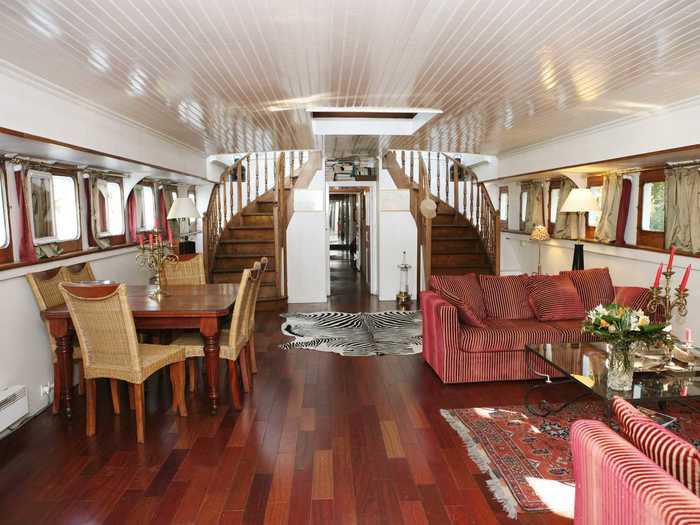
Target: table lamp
(183,209)
(579,200)
(539,234)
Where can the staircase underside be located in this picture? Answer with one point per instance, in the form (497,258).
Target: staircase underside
(456,245)
(248,236)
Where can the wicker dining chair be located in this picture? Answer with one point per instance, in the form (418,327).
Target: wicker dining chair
(233,342)
(79,273)
(254,304)
(189,269)
(107,334)
(44,286)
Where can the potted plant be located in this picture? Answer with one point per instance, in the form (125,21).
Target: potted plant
(623,328)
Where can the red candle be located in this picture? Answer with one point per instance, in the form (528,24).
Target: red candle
(686,276)
(150,239)
(670,258)
(160,239)
(657,281)
(170,237)
(141,241)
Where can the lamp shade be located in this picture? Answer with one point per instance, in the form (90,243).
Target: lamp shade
(579,200)
(539,233)
(183,208)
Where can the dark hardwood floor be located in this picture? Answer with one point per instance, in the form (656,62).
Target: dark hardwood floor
(322,439)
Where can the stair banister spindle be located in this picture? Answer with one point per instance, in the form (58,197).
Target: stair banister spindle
(266,172)
(257,175)
(239,189)
(437,173)
(412,176)
(456,186)
(247,180)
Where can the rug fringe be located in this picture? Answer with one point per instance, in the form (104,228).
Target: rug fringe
(499,491)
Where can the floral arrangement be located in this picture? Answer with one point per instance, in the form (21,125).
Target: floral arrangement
(621,326)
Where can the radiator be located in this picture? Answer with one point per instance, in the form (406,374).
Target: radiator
(14,405)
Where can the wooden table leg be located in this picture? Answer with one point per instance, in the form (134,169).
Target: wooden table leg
(209,328)
(64,353)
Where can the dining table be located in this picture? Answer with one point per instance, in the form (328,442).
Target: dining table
(183,307)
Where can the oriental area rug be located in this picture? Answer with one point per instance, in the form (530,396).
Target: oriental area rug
(527,458)
(355,334)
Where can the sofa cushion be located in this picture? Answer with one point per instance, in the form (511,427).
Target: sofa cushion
(503,334)
(673,454)
(635,297)
(463,292)
(594,286)
(505,297)
(571,331)
(554,298)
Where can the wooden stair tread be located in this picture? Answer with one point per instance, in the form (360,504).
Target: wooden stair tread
(246,241)
(244,255)
(258,213)
(457,238)
(252,227)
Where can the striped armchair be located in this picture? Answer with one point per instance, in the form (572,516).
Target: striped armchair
(616,484)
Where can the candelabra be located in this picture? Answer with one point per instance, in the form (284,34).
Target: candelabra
(152,256)
(666,301)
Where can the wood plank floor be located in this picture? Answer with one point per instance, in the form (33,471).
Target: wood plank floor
(322,439)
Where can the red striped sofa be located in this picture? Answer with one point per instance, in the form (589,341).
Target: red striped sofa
(481,341)
(644,475)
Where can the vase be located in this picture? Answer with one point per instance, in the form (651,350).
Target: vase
(620,367)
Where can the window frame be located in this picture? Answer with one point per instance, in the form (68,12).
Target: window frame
(523,208)
(146,184)
(66,245)
(6,255)
(592,182)
(114,238)
(649,238)
(503,190)
(553,185)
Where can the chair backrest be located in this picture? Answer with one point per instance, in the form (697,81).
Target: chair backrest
(106,331)
(189,269)
(256,292)
(240,320)
(44,286)
(79,272)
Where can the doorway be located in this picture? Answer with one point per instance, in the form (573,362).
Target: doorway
(348,243)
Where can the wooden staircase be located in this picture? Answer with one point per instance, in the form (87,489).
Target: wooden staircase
(464,235)
(248,236)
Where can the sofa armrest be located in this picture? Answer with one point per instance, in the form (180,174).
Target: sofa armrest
(616,484)
(441,330)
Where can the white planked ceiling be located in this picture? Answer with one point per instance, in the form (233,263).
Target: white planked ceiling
(236,75)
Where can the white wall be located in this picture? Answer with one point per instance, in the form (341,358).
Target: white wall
(397,233)
(25,353)
(307,245)
(628,267)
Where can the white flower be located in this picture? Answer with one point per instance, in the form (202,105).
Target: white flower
(667,328)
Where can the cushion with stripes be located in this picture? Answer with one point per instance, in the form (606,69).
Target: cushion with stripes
(633,296)
(554,298)
(673,454)
(594,286)
(463,292)
(506,334)
(505,296)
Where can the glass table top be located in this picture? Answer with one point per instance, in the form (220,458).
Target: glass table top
(587,363)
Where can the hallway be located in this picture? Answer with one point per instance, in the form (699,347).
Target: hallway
(347,287)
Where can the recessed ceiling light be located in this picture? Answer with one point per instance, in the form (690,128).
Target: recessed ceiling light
(369,120)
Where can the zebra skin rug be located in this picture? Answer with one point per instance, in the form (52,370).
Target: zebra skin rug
(363,334)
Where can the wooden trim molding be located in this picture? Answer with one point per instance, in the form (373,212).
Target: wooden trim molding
(64,256)
(504,190)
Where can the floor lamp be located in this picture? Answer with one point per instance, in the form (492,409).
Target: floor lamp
(580,201)
(539,234)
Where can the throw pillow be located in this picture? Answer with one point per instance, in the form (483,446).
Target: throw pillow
(633,296)
(673,454)
(505,297)
(594,286)
(554,298)
(463,292)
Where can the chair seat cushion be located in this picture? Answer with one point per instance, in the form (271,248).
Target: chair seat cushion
(463,292)
(503,335)
(193,345)
(594,286)
(155,357)
(673,454)
(506,296)
(554,298)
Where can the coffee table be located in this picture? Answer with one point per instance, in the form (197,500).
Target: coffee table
(586,364)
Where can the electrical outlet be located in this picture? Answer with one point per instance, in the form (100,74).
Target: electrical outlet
(46,389)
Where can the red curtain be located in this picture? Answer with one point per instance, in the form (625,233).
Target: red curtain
(131,215)
(623,212)
(26,246)
(162,222)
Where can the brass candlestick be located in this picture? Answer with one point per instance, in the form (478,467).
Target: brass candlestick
(152,256)
(666,300)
